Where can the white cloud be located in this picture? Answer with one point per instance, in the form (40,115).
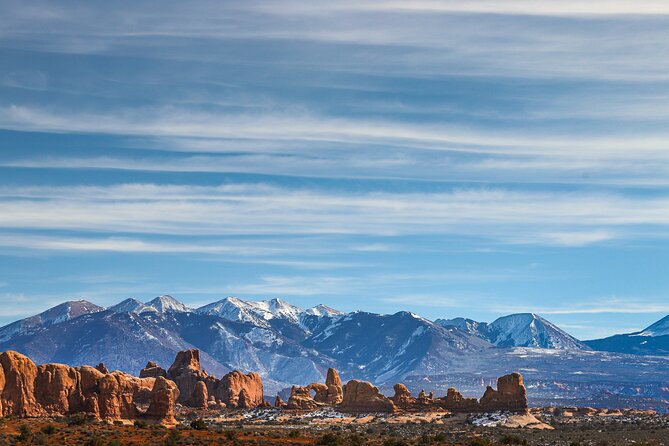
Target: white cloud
(545,218)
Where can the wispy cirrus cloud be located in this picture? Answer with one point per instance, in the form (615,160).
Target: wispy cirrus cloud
(301,126)
(613,305)
(506,216)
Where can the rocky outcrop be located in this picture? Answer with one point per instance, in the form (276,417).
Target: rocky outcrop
(301,399)
(278,402)
(200,397)
(186,372)
(152,370)
(102,368)
(361,396)
(423,399)
(18,393)
(200,390)
(510,394)
(455,402)
(403,398)
(164,396)
(57,389)
(334,393)
(241,391)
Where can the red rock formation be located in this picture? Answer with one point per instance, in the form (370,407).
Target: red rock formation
(454,401)
(278,403)
(234,390)
(200,397)
(186,372)
(320,392)
(361,396)
(102,368)
(115,398)
(238,390)
(163,397)
(402,397)
(510,394)
(245,400)
(57,388)
(300,398)
(152,370)
(186,360)
(424,399)
(2,387)
(334,394)
(18,394)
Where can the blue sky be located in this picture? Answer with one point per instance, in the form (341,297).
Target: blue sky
(446,157)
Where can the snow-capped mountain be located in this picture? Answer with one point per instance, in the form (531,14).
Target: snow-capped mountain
(267,313)
(166,303)
(471,326)
(659,328)
(131,305)
(530,330)
(518,330)
(653,340)
(387,347)
(322,310)
(284,343)
(60,313)
(255,312)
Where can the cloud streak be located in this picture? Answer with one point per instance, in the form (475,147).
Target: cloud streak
(544,218)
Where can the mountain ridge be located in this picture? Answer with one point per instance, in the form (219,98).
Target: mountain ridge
(289,345)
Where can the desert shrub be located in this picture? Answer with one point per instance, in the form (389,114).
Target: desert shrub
(198,424)
(512,439)
(355,440)
(77,419)
(440,437)
(395,442)
(114,443)
(39,439)
(25,434)
(49,429)
(231,435)
(480,441)
(140,424)
(172,438)
(95,441)
(329,439)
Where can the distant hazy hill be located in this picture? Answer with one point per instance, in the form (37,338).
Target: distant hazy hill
(653,340)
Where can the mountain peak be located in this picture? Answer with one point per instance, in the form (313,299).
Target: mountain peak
(530,330)
(166,303)
(53,316)
(659,328)
(132,305)
(322,310)
(468,325)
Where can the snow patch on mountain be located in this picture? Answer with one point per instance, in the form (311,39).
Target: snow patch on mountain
(322,310)
(531,330)
(131,305)
(470,326)
(659,328)
(166,303)
(53,316)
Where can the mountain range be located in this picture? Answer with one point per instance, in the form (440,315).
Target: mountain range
(289,345)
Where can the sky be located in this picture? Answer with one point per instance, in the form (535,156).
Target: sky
(451,158)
